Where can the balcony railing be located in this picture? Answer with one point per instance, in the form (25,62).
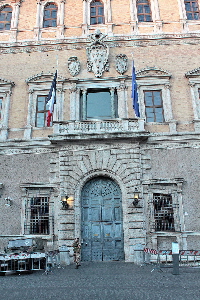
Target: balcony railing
(99,126)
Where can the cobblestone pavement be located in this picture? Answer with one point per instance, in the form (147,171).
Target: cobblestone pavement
(100,281)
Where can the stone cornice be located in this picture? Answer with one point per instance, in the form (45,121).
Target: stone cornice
(112,42)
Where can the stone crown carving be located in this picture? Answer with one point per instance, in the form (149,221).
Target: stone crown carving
(97,54)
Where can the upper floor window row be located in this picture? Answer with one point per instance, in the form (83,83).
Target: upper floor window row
(97,13)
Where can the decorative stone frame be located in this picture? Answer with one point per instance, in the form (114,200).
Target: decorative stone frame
(77,205)
(107,83)
(5,92)
(15,4)
(163,186)
(156,79)
(156,21)
(40,85)
(60,19)
(106,27)
(194,83)
(183,17)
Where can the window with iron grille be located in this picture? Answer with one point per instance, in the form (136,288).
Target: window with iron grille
(50,15)
(5,17)
(37,219)
(163,212)
(153,106)
(41,111)
(96,12)
(192,9)
(144,11)
(1,103)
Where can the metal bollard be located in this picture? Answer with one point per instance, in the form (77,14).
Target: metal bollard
(175,258)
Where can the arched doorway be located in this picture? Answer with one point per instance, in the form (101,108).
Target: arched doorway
(101,228)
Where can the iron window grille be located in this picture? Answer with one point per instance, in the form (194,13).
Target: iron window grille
(163,212)
(144,11)
(50,15)
(96,12)
(5,17)
(154,106)
(37,218)
(192,9)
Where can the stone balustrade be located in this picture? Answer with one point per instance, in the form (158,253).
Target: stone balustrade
(99,126)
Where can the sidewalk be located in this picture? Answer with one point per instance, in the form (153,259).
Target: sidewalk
(101,281)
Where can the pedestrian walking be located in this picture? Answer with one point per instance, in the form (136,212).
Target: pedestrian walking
(77,252)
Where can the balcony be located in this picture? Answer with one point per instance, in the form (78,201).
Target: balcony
(98,129)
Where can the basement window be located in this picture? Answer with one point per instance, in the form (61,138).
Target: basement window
(163,212)
(37,215)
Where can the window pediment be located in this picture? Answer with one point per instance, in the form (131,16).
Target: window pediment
(6,82)
(193,73)
(152,72)
(41,78)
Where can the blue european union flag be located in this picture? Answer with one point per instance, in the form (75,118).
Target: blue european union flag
(135,93)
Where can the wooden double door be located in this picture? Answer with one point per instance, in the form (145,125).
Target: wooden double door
(102,226)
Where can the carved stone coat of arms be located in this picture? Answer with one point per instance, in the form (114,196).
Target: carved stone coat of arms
(97,54)
(121,63)
(74,66)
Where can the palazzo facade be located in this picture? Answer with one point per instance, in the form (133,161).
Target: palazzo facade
(128,182)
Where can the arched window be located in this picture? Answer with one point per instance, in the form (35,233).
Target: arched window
(192,9)
(144,11)
(50,15)
(5,17)
(96,12)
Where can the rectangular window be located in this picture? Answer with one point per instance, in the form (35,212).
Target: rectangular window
(192,9)
(99,104)
(37,215)
(144,11)
(41,111)
(96,12)
(1,104)
(153,106)
(163,212)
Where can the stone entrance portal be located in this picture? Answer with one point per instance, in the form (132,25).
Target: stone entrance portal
(102,229)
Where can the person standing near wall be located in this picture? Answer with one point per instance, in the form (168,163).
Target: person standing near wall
(77,252)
